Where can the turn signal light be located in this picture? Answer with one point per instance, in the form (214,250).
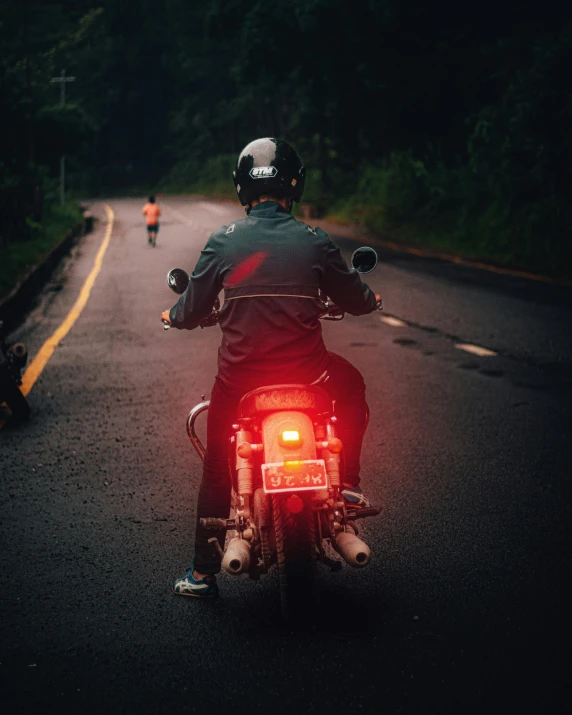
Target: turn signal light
(290,438)
(244,450)
(335,445)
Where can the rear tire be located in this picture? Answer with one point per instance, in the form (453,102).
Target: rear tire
(296,555)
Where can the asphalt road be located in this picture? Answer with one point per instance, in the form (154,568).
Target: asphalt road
(467,603)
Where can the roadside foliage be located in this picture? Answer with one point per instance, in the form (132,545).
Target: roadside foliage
(442,122)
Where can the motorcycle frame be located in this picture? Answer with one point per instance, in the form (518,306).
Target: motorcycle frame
(192,433)
(331,513)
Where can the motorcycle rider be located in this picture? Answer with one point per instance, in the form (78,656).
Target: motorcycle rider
(271,268)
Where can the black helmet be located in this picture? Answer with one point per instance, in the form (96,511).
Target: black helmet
(269,167)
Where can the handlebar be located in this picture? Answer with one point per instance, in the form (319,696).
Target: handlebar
(211,319)
(207,322)
(364,260)
(331,312)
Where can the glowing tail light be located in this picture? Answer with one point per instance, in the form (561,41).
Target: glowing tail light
(290,438)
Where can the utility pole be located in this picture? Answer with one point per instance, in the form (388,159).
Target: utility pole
(62,79)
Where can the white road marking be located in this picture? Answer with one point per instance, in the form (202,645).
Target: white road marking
(475,350)
(467,347)
(178,214)
(394,322)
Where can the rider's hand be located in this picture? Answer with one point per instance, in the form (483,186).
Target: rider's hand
(166,317)
(378,301)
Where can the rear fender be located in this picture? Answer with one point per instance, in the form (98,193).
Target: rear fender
(277,422)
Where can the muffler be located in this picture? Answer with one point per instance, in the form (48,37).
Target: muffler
(354,551)
(236,558)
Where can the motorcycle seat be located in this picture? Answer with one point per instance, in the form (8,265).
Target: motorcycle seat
(275,398)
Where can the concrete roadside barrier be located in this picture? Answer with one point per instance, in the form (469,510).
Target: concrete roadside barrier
(14,306)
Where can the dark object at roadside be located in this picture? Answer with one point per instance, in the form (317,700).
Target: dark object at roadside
(87,221)
(12,361)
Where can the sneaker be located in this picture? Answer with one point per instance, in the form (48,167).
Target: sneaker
(354,497)
(205,587)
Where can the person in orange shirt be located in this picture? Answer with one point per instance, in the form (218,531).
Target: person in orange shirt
(152,212)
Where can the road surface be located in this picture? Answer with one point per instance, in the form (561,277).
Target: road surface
(467,603)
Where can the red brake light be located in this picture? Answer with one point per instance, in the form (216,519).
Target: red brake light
(290,438)
(291,435)
(294,504)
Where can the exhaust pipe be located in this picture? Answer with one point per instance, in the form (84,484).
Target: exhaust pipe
(354,551)
(237,557)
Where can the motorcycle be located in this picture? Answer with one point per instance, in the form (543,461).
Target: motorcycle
(13,359)
(286,471)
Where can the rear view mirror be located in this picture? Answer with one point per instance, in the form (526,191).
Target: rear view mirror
(177,280)
(364,259)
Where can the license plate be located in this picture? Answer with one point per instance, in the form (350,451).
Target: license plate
(306,475)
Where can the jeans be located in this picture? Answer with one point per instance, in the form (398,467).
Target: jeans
(344,384)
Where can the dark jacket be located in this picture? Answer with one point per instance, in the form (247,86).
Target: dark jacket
(271,267)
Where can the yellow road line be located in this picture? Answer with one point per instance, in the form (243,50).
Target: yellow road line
(35,368)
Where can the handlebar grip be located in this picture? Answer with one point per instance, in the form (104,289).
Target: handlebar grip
(166,325)
(333,311)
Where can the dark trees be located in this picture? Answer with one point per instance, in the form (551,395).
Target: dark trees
(466,103)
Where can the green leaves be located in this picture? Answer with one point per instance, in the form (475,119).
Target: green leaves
(419,106)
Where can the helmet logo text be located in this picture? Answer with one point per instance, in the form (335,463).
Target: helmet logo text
(263,172)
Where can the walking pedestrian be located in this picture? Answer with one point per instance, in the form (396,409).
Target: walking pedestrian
(151,211)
